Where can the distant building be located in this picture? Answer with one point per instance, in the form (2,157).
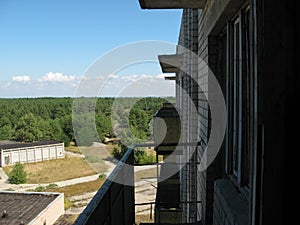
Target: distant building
(30,208)
(30,152)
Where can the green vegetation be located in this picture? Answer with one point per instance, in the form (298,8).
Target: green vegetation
(80,188)
(68,204)
(56,170)
(73,148)
(141,155)
(10,189)
(17,175)
(102,176)
(87,119)
(47,188)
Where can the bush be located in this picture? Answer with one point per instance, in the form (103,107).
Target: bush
(44,189)
(102,176)
(51,186)
(142,158)
(17,175)
(68,203)
(40,189)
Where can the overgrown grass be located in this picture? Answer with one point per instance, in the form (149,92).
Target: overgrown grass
(56,170)
(145,174)
(68,204)
(73,148)
(43,189)
(143,219)
(10,189)
(79,189)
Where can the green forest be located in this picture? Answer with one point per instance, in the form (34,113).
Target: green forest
(93,119)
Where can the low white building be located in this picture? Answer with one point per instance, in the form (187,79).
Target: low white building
(31,208)
(30,152)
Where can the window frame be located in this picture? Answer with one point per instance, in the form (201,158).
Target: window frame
(238,98)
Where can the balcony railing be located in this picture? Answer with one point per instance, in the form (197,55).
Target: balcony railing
(114,202)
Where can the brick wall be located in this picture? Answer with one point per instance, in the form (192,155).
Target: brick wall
(199,33)
(187,101)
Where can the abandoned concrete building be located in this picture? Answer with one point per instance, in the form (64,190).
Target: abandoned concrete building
(249,45)
(30,152)
(30,208)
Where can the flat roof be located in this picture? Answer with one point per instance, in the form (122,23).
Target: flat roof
(24,145)
(171,63)
(23,207)
(172,4)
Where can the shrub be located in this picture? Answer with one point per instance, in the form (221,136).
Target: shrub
(51,186)
(48,187)
(17,175)
(68,203)
(40,189)
(102,176)
(10,189)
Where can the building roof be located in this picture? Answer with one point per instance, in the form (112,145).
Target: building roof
(25,145)
(23,207)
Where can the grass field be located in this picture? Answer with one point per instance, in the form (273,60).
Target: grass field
(145,174)
(56,170)
(73,148)
(80,189)
(143,218)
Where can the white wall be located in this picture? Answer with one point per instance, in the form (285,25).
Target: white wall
(32,154)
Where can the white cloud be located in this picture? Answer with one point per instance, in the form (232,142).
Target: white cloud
(58,85)
(57,77)
(132,85)
(22,79)
(161,76)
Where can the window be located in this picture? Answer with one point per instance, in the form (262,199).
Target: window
(7,160)
(238,98)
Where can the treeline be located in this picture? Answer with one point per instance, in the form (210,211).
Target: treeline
(36,119)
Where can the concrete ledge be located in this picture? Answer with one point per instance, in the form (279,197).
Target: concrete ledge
(230,206)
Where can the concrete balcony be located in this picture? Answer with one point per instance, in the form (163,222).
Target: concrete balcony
(114,203)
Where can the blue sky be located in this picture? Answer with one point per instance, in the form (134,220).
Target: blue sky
(46,46)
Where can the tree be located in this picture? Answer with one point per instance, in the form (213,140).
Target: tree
(28,129)
(85,129)
(138,120)
(6,133)
(18,174)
